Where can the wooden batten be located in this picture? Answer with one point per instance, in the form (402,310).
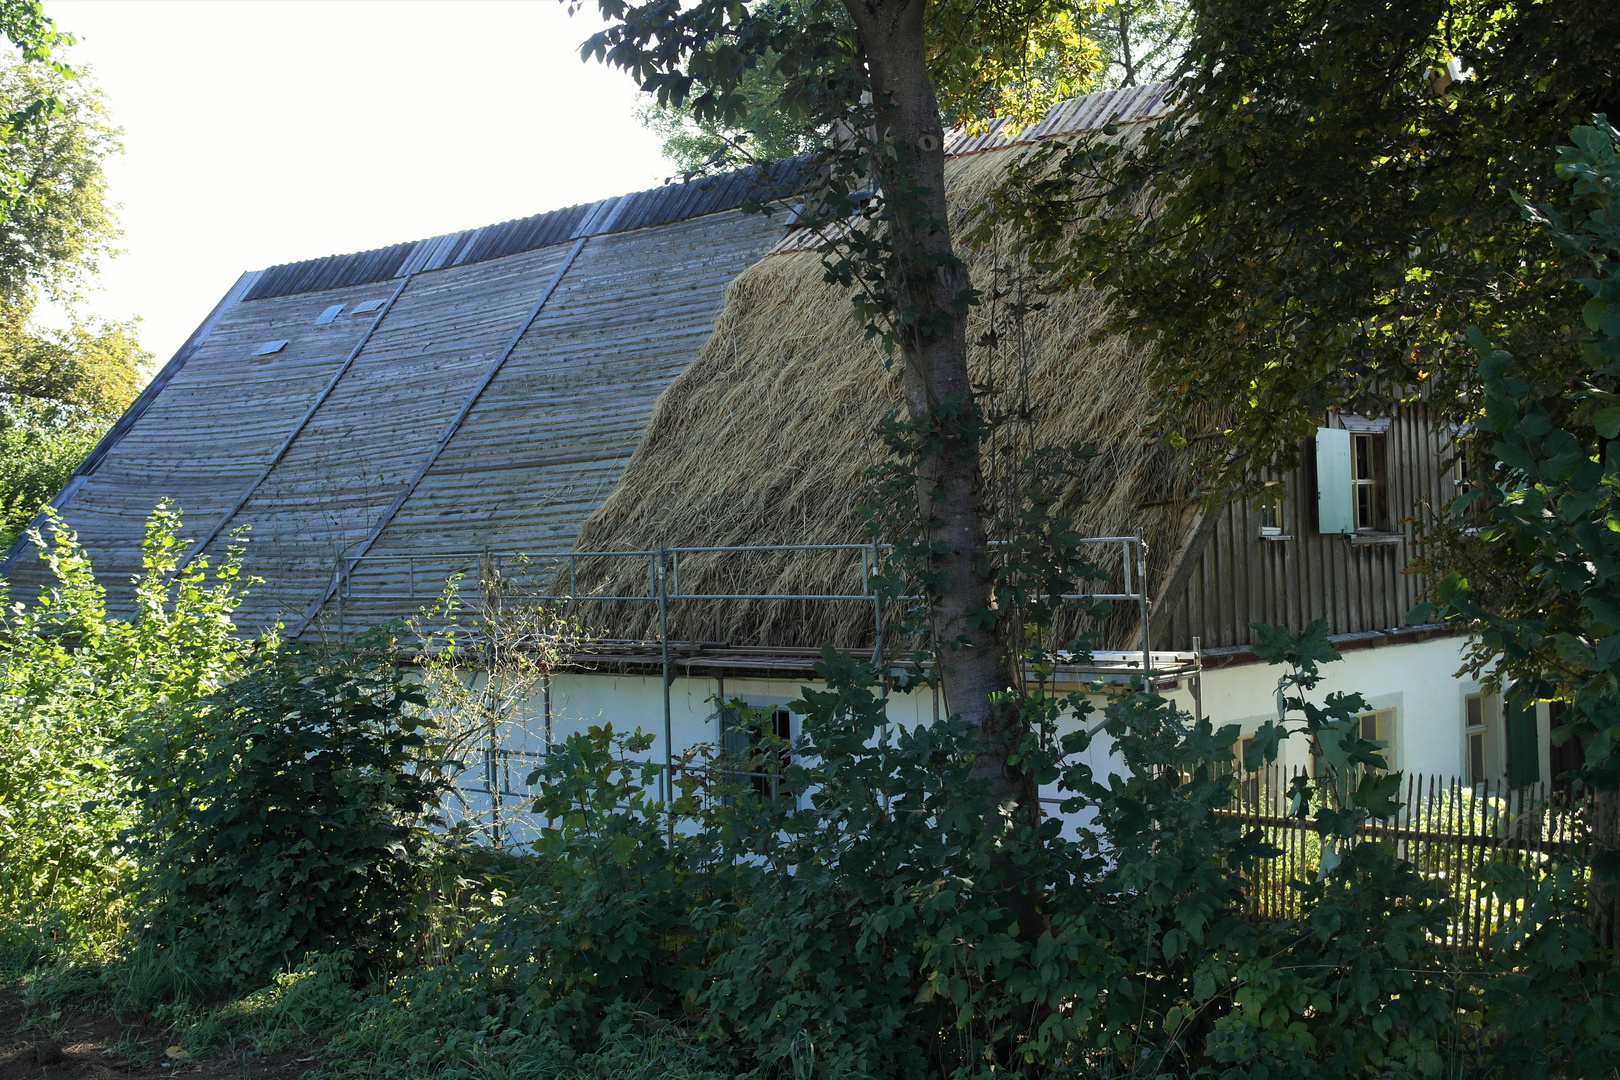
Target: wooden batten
(1357,584)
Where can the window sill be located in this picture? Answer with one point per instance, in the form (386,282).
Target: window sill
(1375,539)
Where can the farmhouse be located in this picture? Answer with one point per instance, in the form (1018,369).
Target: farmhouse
(655,406)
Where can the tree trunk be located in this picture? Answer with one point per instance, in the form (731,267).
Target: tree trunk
(930,282)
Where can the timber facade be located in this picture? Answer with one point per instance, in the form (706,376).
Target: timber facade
(1285,568)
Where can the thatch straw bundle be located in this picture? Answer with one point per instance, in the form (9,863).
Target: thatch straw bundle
(766,437)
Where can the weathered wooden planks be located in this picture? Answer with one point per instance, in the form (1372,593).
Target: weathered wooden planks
(1243,578)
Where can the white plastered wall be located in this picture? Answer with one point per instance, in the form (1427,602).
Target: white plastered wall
(1415,682)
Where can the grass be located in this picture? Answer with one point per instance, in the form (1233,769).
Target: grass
(447,1021)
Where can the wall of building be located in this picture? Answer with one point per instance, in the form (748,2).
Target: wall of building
(1414,682)
(1357,583)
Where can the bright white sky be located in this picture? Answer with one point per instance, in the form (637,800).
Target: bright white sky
(267,131)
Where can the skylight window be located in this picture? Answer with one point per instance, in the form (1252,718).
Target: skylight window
(328,315)
(368,306)
(270,347)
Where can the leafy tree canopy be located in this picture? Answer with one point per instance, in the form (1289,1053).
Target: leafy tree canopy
(765,133)
(758,87)
(59,388)
(1141,40)
(1065,51)
(60,224)
(1327,209)
(22,121)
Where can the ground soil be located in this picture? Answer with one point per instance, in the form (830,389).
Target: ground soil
(97,1045)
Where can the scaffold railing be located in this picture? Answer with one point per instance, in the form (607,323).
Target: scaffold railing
(427,574)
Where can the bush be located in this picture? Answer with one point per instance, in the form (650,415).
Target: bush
(77,682)
(625,907)
(870,919)
(35,461)
(289,813)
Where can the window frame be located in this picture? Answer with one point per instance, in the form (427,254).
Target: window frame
(1271,516)
(1385,731)
(744,738)
(1475,732)
(1352,473)
(1369,482)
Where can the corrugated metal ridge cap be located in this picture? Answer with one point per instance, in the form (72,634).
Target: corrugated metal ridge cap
(669,202)
(1131,105)
(621,213)
(1127,105)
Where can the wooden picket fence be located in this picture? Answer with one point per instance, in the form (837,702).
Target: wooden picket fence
(1448,829)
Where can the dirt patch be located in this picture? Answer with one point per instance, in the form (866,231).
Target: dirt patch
(48,1043)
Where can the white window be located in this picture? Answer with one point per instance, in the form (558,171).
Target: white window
(1367,480)
(1380,727)
(1482,742)
(757,740)
(1475,748)
(1352,491)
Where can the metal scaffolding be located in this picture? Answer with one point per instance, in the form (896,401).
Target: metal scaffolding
(561,570)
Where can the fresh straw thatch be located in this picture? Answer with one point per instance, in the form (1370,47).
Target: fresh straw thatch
(765,438)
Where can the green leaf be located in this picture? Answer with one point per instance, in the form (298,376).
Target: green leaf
(1592,313)
(1422,614)
(1263,747)
(1376,794)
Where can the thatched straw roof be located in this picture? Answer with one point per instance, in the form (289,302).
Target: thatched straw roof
(765,439)
(387,419)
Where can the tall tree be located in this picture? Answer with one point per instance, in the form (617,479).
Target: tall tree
(1328,220)
(764,134)
(1133,41)
(1535,541)
(59,388)
(1141,39)
(24,24)
(882,78)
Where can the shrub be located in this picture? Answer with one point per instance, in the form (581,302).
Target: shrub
(76,683)
(289,813)
(625,907)
(35,461)
(867,918)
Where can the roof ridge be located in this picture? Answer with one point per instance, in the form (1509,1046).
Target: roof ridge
(668,202)
(1125,105)
(661,205)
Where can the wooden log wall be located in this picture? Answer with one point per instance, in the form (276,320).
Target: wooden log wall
(1357,584)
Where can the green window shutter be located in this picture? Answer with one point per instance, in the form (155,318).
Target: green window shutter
(1335,490)
(1524,755)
